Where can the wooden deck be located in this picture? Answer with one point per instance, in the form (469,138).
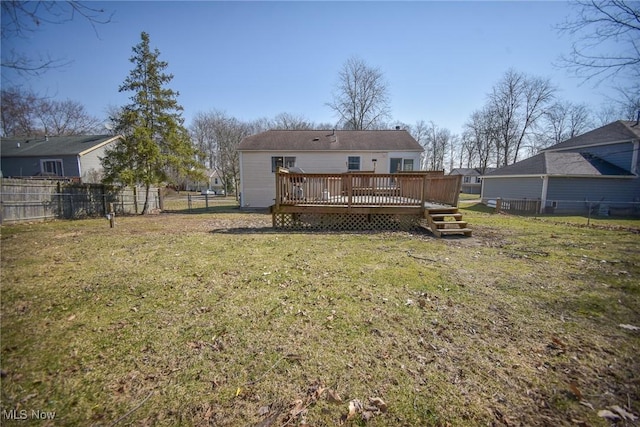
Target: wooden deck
(366,201)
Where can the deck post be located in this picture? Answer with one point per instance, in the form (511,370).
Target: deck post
(423,200)
(276,206)
(349,189)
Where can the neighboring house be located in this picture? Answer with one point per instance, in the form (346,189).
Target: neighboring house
(471,179)
(320,151)
(213,182)
(70,157)
(597,170)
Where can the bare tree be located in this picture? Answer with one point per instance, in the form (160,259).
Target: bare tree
(218,136)
(517,101)
(26,114)
(436,145)
(481,138)
(18,112)
(20,19)
(361,99)
(607,40)
(203,135)
(66,118)
(561,121)
(288,121)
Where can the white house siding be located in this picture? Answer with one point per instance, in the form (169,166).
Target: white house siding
(512,188)
(258,181)
(91,165)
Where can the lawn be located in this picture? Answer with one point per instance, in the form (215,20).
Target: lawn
(215,319)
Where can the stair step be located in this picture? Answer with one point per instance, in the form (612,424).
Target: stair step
(465,231)
(460,224)
(441,216)
(442,210)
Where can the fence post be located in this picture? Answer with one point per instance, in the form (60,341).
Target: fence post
(498,204)
(189,202)
(112,216)
(60,200)
(206,201)
(135,199)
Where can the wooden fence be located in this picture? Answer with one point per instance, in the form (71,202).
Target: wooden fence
(38,200)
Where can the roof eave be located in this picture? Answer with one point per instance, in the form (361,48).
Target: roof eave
(102,144)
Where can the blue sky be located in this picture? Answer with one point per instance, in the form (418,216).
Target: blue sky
(258,59)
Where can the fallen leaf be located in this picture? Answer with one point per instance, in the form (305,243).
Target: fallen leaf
(333,397)
(604,413)
(70,318)
(367,415)
(575,390)
(378,403)
(587,404)
(264,410)
(298,408)
(624,414)
(557,341)
(355,407)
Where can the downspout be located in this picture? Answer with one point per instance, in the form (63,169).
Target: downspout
(543,195)
(241,181)
(634,157)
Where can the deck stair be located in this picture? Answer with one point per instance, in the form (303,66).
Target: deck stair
(445,222)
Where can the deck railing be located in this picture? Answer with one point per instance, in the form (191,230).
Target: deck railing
(366,189)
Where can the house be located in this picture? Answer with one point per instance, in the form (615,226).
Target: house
(213,182)
(595,171)
(320,151)
(71,157)
(471,178)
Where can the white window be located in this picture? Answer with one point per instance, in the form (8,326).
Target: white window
(51,167)
(398,164)
(282,162)
(353,163)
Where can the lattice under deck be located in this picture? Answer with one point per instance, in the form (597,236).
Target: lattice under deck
(338,222)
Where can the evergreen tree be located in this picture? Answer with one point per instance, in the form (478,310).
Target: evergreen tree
(156,145)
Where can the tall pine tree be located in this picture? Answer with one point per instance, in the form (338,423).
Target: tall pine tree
(156,145)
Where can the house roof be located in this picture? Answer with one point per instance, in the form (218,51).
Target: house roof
(618,131)
(330,140)
(53,145)
(561,163)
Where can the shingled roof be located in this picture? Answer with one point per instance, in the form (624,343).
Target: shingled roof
(618,131)
(53,145)
(330,140)
(559,163)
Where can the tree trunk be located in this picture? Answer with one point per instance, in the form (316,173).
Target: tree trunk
(145,208)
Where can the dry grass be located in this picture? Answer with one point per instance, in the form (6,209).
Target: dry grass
(215,319)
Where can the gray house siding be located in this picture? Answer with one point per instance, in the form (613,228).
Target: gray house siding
(508,188)
(31,166)
(617,154)
(573,195)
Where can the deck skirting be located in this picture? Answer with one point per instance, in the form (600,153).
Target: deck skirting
(346,221)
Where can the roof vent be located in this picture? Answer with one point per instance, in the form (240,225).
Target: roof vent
(18,144)
(316,139)
(397,127)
